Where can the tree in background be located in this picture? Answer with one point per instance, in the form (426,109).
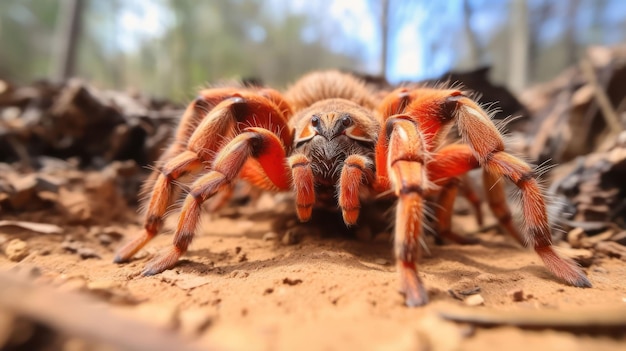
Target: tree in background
(199,42)
(520,37)
(557,34)
(69,24)
(25,38)
(202,42)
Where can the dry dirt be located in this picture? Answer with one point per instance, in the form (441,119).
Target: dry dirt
(244,286)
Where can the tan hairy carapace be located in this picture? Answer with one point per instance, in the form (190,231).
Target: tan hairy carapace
(328,138)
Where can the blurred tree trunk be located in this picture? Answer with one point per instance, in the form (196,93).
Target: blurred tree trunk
(473,56)
(597,32)
(385,37)
(518,70)
(67,35)
(537,20)
(571,39)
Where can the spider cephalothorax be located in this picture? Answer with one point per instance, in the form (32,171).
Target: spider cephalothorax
(331,141)
(329,132)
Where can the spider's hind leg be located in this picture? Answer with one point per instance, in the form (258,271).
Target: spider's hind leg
(443,215)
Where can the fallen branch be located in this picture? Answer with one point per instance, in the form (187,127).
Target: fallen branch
(78,316)
(588,320)
(608,112)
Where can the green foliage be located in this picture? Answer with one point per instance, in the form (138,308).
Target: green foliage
(201,42)
(25,38)
(213,40)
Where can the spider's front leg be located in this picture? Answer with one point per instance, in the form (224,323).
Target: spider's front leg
(256,144)
(208,122)
(356,171)
(303,185)
(402,149)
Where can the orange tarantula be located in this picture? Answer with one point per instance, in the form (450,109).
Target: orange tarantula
(328,138)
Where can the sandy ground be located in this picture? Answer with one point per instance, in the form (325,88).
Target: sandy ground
(244,286)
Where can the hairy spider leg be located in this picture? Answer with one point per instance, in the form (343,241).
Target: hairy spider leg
(221,123)
(303,185)
(403,154)
(487,148)
(467,188)
(432,113)
(257,143)
(356,171)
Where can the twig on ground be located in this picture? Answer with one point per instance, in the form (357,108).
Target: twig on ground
(77,316)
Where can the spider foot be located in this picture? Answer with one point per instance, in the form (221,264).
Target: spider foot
(162,262)
(128,250)
(121,258)
(411,285)
(563,268)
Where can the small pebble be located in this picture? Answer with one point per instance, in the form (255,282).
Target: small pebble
(239,274)
(474,300)
(69,245)
(381,261)
(85,253)
(516,294)
(16,250)
(291,237)
(33,272)
(597,269)
(270,236)
(292,282)
(114,232)
(105,239)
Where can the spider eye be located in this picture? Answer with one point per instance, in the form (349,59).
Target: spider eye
(346,121)
(315,121)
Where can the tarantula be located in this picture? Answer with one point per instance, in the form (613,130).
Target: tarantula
(329,138)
